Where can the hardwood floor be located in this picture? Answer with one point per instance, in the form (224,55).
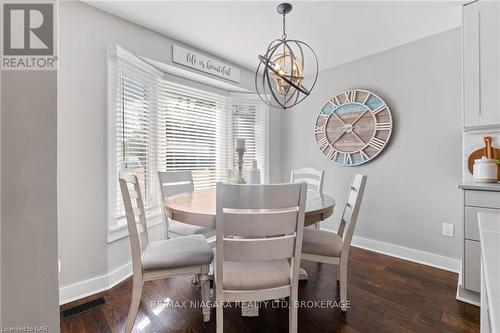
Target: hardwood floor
(386,294)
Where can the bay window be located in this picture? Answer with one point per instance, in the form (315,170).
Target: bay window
(156,124)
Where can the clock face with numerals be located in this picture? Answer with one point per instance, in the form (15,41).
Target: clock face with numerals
(353,127)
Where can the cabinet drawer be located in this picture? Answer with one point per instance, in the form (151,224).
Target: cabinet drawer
(487,199)
(472,265)
(471,225)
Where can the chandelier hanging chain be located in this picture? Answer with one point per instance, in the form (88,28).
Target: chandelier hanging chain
(284,27)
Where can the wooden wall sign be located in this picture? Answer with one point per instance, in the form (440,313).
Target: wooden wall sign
(353,127)
(189,58)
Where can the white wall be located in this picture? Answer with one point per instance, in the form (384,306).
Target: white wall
(29,286)
(85,33)
(412,185)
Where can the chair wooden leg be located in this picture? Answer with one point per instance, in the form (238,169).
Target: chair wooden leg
(205,294)
(220,317)
(134,304)
(337,272)
(343,286)
(219,297)
(292,313)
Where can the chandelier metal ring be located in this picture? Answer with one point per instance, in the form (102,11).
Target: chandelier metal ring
(280,73)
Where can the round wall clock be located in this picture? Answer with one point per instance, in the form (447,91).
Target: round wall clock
(353,127)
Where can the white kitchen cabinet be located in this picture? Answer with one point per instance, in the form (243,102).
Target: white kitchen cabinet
(475,201)
(481,56)
(477,198)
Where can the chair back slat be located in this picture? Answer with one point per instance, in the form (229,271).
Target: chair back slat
(314,178)
(270,216)
(252,223)
(140,228)
(169,189)
(138,212)
(133,194)
(278,196)
(313,184)
(261,249)
(175,182)
(351,197)
(347,214)
(351,209)
(136,217)
(129,178)
(357,181)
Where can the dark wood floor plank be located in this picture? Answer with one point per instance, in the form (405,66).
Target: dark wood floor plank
(94,321)
(387,295)
(75,326)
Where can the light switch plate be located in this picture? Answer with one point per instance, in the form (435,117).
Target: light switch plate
(448,230)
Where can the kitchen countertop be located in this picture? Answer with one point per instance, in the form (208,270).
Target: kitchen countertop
(489,233)
(467,184)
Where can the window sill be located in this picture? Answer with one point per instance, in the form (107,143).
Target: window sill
(120,229)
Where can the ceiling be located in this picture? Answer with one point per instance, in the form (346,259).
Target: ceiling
(339,32)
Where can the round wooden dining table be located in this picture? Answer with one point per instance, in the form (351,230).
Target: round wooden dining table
(198,207)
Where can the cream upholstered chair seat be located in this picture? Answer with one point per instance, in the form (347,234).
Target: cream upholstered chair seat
(323,243)
(184,229)
(177,252)
(256,275)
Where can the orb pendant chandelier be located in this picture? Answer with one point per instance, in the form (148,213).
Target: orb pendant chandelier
(279,79)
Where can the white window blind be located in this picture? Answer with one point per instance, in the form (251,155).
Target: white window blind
(136,96)
(192,133)
(247,120)
(156,124)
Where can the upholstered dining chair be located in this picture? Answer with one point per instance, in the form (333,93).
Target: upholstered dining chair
(186,255)
(259,239)
(333,248)
(314,179)
(172,183)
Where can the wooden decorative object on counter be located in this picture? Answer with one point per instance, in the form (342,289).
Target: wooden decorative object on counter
(488,151)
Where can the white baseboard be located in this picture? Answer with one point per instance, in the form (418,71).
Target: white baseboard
(421,257)
(95,285)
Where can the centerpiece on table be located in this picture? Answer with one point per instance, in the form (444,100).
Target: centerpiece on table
(240,176)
